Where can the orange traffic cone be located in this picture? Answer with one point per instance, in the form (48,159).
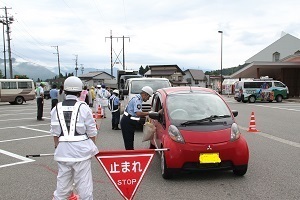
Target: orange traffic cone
(99,112)
(73,197)
(252,126)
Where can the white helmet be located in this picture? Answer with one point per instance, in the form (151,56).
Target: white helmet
(148,90)
(73,84)
(116,91)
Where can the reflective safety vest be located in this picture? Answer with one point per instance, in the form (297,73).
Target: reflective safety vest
(67,117)
(111,105)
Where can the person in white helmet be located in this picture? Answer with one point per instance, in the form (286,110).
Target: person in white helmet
(102,96)
(74,132)
(132,114)
(114,107)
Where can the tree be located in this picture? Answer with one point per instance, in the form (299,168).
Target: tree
(141,70)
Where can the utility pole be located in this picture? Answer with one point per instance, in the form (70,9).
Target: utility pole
(4,52)
(57,52)
(111,50)
(76,68)
(7,22)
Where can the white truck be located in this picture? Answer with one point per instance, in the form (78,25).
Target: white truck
(133,86)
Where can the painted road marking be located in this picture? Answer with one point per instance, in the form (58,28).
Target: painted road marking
(278,139)
(9,127)
(34,129)
(280,108)
(24,159)
(4,120)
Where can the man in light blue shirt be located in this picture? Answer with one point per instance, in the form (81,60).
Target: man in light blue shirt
(54,96)
(132,114)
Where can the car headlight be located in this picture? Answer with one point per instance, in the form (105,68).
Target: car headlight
(235,132)
(175,134)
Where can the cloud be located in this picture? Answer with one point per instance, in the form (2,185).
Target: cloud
(161,32)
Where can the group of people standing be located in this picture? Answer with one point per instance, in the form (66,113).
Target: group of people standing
(74,130)
(56,96)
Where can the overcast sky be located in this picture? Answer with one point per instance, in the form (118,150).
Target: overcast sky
(182,32)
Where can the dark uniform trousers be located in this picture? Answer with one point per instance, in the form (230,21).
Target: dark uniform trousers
(40,108)
(128,127)
(115,119)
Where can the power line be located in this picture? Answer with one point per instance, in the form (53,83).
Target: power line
(111,50)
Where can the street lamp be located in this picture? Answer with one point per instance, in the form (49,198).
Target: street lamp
(221,58)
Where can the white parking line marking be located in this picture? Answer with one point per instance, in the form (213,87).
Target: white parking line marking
(4,120)
(27,138)
(24,159)
(280,108)
(20,113)
(34,129)
(8,127)
(278,139)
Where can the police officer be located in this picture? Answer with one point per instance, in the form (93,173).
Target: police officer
(114,107)
(40,101)
(132,114)
(74,132)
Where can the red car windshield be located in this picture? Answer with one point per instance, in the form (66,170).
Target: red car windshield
(195,106)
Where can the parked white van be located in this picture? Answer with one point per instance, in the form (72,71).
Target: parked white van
(16,91)
(260,90)
(133,86)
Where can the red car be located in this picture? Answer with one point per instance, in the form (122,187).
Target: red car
(199,129)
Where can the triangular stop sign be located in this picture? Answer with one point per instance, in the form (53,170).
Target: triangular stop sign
(126,169)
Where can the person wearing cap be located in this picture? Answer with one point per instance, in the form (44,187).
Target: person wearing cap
(74,132)
(92,96)
(54,96)
(132,114)
(102,96)
(39,92)
(114,107)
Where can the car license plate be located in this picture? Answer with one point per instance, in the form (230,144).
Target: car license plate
(209,158)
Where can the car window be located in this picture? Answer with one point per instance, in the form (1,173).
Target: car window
(195,106)
(154,84)
(279,84)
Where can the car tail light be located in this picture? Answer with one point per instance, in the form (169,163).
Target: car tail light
(175,134)
(235,132)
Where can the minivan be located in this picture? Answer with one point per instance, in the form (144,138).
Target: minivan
(260,90)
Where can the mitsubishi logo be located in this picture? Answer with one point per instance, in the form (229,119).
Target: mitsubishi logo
(209,148)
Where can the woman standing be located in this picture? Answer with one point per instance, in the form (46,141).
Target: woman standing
(61,94)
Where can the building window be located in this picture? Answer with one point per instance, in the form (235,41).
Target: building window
(179,78)
(276,56)
(196,82)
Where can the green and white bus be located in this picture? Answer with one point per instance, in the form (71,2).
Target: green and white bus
(16,91)
(260,90)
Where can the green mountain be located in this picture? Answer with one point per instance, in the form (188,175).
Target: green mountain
(32,71)
(227,71)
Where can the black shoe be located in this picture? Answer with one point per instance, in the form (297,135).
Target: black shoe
(40,119)
(117,128)
(113,128)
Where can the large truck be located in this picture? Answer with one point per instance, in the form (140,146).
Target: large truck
(123,75)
